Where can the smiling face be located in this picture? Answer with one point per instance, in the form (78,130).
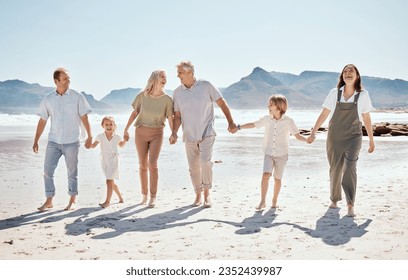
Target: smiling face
(62,82)
(272,109)
(349,75)
(277,106)
(186,77)
(108,125)
(162,79)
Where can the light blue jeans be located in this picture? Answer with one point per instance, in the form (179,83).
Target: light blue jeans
(52,155)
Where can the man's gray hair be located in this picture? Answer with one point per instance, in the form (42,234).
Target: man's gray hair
(187,65)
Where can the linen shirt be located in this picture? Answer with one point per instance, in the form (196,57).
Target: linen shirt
(65,112)
(277,132)
(152,111)
(196,106)
(363,104)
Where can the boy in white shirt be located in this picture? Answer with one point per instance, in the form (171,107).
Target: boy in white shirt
(278,128)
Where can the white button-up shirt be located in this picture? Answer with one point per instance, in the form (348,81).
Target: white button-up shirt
(65,112)
(277,132)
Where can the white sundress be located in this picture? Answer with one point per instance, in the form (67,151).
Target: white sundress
(109,155)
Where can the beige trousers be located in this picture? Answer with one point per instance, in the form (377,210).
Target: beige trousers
(148,145)
(199,161)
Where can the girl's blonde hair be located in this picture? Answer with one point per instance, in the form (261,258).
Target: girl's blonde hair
(280,102)
(108,118)
(152,82)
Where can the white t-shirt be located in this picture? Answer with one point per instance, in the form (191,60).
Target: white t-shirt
(363,104)
(277,132)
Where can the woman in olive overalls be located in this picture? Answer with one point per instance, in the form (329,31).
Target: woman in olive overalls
(348,104)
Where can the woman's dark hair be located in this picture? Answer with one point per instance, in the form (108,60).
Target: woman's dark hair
(357,85)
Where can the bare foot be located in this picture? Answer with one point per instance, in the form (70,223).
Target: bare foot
(261,206)
(121,200)
(45,206)
(350,211)
(144,200)
(274,204)
(333,205)
(104,205)
(197,201)
(70,204)
(152,202)
(207,202)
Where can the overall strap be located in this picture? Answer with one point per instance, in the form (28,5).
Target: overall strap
(356,97)
(339,93)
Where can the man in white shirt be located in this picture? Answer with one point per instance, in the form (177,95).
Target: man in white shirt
(194,110)
(67,109)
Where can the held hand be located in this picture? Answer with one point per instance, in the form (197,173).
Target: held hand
(126,136)
(88,142)
(173,138)
(232,128)
(35,147)
(310,139)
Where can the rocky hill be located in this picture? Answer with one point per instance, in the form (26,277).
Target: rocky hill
(20,97)
(309,89)
(305,91)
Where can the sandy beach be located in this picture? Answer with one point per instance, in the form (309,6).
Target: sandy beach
(302,228)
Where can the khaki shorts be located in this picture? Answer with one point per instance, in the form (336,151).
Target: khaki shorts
(275,164)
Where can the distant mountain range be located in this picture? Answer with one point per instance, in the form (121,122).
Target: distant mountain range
(309,89)
(305,91)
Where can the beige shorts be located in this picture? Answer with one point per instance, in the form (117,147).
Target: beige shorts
(275,165)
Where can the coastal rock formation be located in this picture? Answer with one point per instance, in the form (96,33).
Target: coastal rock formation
(388,129)
(379,129)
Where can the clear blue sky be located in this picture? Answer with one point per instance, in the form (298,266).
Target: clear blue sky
(117,44)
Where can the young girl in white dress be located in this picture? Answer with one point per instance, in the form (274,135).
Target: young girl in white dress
(109,157)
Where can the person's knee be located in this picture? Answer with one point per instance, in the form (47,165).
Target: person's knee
(143,167)
(206,163)
(266,175)
(153,168)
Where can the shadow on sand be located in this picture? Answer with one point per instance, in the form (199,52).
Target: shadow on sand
(45,217)
(334,230)
(120,222)
(252,224)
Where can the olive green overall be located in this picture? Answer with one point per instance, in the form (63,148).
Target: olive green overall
(343,147)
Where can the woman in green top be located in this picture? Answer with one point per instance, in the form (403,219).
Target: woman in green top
(151,107)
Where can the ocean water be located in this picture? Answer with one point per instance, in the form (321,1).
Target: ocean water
(26,123)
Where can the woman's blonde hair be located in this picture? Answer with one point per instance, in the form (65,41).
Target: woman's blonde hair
(280,102)
(153,80)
